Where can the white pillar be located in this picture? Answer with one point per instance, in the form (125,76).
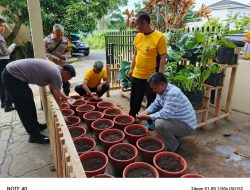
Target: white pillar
(36,28)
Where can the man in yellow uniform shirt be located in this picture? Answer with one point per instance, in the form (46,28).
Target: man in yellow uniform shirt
(95,80)
(149,45)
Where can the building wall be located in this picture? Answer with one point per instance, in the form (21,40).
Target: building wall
(241,95)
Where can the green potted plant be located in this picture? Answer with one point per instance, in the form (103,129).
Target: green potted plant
(123,75)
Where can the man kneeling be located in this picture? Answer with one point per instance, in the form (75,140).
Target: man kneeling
(92,81)
(172,112)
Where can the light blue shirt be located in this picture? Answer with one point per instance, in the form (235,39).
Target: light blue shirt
(173,104)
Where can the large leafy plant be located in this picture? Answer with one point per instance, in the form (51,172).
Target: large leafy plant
(123,74)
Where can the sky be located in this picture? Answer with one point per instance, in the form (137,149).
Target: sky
(198,4)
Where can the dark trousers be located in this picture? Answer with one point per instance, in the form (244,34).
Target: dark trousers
(139,88)
(79,89)
(66,88)
(5,96)
(22,97)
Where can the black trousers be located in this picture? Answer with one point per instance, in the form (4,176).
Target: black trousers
(66,88)
(79,89)
(139,88)
(22,97)
(4,94)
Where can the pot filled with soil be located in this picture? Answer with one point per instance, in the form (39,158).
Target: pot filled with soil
(101,106)
(100,125)
(110,113)
(134,132)
(76,97)
(121,121)
(72,121)
(121,155)
(140,170)
(94,102)
(91,116)
(80,110)
(67,112)
(110,137)
(192,176)
(86,96)
(148,147)
(103,176)
(77,103)
(65,105)
(169,164)
(84,144)
(94,163)
(77,132)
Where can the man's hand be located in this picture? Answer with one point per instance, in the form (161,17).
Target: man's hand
(130,73)
(95,97)
(99,88)
(143,117)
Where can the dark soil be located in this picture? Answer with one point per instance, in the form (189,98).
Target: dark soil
(105,105)
(123,121)
(93,116)
(94,100)
(85,108)
(78,103)
(76,132)
(112,112)
(71,122)
(103,125)
(139,172)
(137,131)
(150,145)
(169,163)
(82,146)
(91,164)
(65,113)
(123,153)
(111,137)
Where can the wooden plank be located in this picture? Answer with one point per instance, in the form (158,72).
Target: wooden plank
(212,120)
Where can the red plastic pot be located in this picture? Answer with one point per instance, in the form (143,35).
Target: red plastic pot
(95,154)
(132,138)
(192,176)
(76,97)
(74,119)
(148,155)
(94,102)
(165,173)
(101,106)
(65,105)
(140,165)
(97,122)
(111,110)
(121,126)
(118,163)
(106,144)
(80,112)
(88,117)
(67,112)
(90,141)
(82,129)
(103,176)
(77,103)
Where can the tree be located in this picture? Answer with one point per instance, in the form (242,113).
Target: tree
(116,21)
(75,15)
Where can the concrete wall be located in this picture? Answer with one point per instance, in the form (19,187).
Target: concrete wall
(241,95)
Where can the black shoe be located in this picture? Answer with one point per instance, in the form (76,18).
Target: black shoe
(9,108)
(2,105)
(42,126)
(41,139)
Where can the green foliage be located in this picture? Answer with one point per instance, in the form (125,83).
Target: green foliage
(123,74)
(225,42)
(238,21)
(96,40)
(191,16)
(116,21)
(213,22)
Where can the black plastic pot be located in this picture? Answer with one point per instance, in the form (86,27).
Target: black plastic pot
(226,55)
(196,99)
(215,79)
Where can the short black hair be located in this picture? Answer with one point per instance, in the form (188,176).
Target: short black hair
(157,78)
(2,20)
(142,15)
(70,69)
